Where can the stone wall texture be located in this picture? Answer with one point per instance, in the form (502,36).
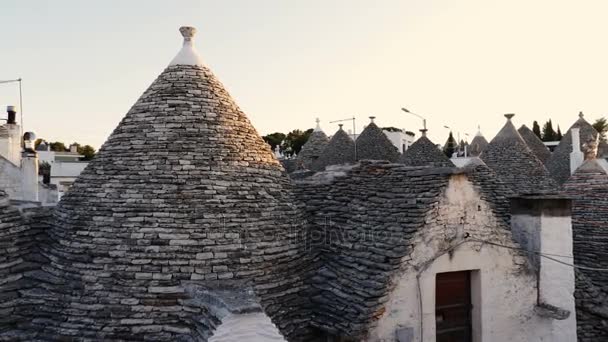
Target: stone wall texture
(424,152)
(373,144)
(535,144)
(478,144)
(339,150)
(515,164)
(183,191)
(311,151)
(362,223)
(589,187)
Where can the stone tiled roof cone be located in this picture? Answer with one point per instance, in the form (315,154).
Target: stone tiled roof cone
(589,187)
(478,144)
(339,150)
(424,152)
(372,143)
(184,190)
(313,148)
(559,163)
(534,143)
(515,164)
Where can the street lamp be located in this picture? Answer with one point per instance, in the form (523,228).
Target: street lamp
(418,115)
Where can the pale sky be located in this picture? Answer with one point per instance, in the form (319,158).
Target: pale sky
(459,63)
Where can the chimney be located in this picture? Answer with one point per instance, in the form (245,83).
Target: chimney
(576,156)
(542,226)
(12,115)
(74,148)
(29,168)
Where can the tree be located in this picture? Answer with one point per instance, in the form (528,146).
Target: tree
(274,139)
(37,142)
(558,136)
(87,151)
(601,126)
(548,132)
(58,146)
(295,140)
(44,170)
(450,146)
(536,129)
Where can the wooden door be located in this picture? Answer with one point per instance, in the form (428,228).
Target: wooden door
(453,306)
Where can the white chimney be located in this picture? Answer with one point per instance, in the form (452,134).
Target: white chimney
(74,148)
(576,156)
(542,225)
(29,169)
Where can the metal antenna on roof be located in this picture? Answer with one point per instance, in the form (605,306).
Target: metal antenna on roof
(354,131)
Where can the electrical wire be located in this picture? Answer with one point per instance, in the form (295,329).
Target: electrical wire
(544,255)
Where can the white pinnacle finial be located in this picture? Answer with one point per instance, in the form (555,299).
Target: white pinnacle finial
(187,55)
(478,131)
(318,128)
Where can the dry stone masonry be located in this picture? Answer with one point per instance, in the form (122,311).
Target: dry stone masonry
(312,149)
(185,227)
(589,187)
(515,164)
(535,144)
(373,144)
(183,191)
(424,152)
(339,150)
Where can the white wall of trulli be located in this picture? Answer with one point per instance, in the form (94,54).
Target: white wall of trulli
(503,287)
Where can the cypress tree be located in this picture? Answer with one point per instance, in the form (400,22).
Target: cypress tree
(536,129)
(450,146)
(548,132)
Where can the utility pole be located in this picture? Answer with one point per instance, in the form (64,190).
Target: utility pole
(20,102)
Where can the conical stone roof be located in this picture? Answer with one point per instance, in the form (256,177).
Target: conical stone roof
(534,143)
(312,149)
(424,153)
(515,164)
(559,163)
(184,190)
(339,150)
(372,143)
(478,144)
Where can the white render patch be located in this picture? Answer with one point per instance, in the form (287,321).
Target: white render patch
(247,327)
(188,54)
(504,295)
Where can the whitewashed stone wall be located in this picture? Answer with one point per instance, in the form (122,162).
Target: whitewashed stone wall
(504,290)
(10,179)
(247,327)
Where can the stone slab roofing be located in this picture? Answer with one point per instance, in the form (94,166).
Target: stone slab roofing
(183,191)
(559,163)
(357,261)
(424,152)
(589,188)
(515,164)
(534,143)
(20,274)
(339,150)
(312,149)
(373,144)
(478,144)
